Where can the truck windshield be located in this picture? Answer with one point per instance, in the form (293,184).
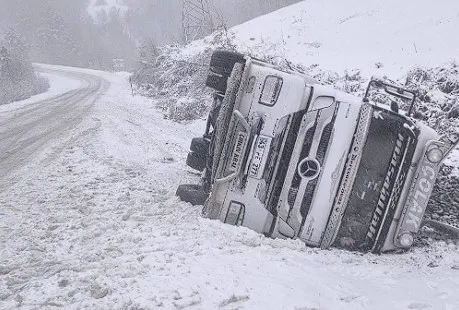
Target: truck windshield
(386,156)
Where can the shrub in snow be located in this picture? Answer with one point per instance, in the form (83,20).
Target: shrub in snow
(224,39)
(41,84)
(454,112)
(438,96)
(178,75)
(187,109)
(172,79)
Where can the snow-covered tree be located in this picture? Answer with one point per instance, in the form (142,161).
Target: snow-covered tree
(17,76)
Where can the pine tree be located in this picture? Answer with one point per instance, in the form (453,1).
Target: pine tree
(17,76)
(19,68)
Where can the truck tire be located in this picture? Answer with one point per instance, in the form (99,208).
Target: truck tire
(220,67)
(196,161)
(200,146)
(216,81)
(192,193)
(222,62)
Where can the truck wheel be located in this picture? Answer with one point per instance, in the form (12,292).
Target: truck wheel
(223,62)
(200,146)
(192,193)
(221,65)
(216,81)
(196,161)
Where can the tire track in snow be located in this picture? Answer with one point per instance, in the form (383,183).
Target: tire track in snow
(25,132)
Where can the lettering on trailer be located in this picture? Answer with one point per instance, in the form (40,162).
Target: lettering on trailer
(335,176)
(237,153)
(419,199)
(385,190)
(378,114)
(346,177)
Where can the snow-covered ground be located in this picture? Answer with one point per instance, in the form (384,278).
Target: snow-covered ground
(375,36)
(99,227)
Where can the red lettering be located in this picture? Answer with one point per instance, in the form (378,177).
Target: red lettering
(419,194)
(428,172)
(425,185)
(416,207)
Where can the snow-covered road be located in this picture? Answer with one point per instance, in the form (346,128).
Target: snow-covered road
(27,129)
(90,221)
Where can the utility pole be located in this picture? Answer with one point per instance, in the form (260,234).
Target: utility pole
(196,19)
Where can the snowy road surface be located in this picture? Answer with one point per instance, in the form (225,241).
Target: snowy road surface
(89,220)
(27,129)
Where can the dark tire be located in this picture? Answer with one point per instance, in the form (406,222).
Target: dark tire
(196,161)
(217,81)
(200,146)
(221,65)
(222,62)
(192,193)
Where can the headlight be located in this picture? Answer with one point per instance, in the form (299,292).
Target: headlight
(435,155)
(406,239)
(235,214)
(271,90)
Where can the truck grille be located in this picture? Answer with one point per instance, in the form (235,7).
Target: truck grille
(307,199)
(374,197)
(397,187)
(324,142)
(319,156)
(284,161)
(294,186)
(313,143)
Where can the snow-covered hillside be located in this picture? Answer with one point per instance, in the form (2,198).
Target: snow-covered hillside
(362,34)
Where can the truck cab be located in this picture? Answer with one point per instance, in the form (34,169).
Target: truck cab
(291,158)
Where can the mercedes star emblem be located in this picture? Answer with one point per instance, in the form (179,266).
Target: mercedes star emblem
(309,168)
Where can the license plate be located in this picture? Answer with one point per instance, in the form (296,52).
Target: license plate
(257,158)
(236,157)
(417,202)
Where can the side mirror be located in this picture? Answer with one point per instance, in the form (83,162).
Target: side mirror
(393,90)
(399,92)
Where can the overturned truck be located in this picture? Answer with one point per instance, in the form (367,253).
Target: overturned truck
(290,158)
